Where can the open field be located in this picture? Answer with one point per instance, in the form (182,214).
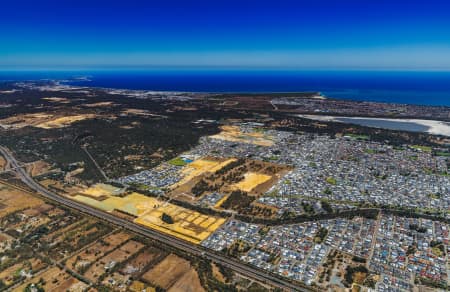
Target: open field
(133,204)
(188,282)
(55,279)
(12,200)
(168,272)
(42,120)
(197,168)
(24,120)
(251,180)
(234,134)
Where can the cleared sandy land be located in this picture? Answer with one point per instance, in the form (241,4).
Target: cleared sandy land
(62,122)
(100,104)
(200,167)
(43,120)
(24,120)
(57,99)
(252,180)
(38,168)
(101,190)
(188,224)
(234,134)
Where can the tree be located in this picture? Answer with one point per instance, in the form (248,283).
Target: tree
(167,218)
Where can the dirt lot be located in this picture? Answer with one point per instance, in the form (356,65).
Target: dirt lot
(2,163)
(12,200)
(189,282)
(55,280)
(169,272)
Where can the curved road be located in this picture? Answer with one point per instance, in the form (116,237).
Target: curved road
(197,250)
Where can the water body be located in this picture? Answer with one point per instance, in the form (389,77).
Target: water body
(385,124)
(413,125)
(426,88)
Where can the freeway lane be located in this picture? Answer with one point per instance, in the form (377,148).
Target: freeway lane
(231,263)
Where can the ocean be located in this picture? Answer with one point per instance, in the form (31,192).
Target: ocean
(409,87)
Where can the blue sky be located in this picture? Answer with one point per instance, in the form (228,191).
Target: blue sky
(344,34)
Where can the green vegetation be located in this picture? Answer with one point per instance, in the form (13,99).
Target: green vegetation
(417,228)
(370,151)
(327,191)
(434,195)
(413,157)
(326,206)
(167,218)
(358,136)
(437,247)
(177,161)
(312,164)
(350,272)
(320,235)
(445,154)
(331,180)
(422,148)
(308,208)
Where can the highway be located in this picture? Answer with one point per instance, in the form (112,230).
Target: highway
(234,264)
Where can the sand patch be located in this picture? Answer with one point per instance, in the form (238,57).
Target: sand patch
(251,180)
